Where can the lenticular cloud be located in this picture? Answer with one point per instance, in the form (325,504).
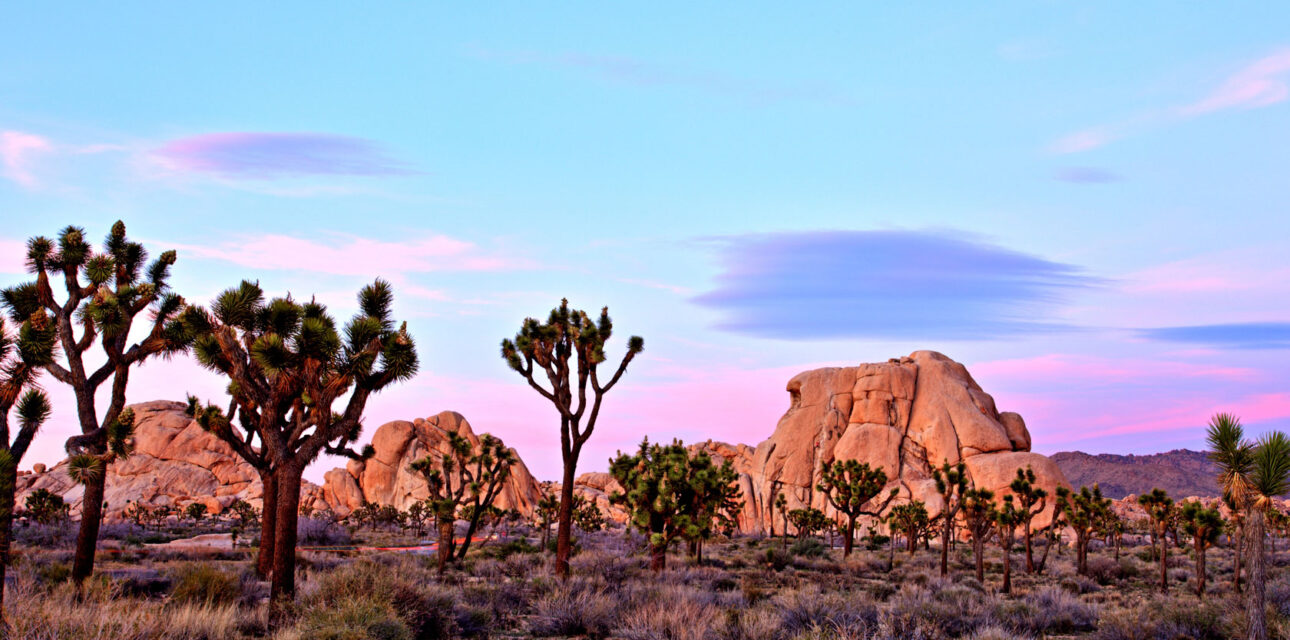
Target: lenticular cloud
(277,155)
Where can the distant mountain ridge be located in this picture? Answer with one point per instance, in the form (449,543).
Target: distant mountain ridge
(1181,472)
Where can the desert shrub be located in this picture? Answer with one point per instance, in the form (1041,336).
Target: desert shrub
(613,568)
(677,618)
(572,608)
(952,609)
(320,532)
(505,600)
(47,536)
(807,548)
(1080,584)
(511,547)
(808,608)
(143,584)
(749,624)
(54,573)
(205,585)
(1165,619)
(425,607)
(1104,570)
(356,618)
(776,559)
(1047,611)
(994,633)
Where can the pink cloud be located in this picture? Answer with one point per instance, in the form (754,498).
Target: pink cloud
(353,255)
(1259,84)
(1094,369)
(259,155)
(1085,140)
(16,152)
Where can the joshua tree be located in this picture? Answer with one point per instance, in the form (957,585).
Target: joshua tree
(808,520)
(288,365)
(1006,518)
(668,493)
(1250,476)
(1160,508)
(1030,502)
(105,293)
(910,519)
(951,483)
(1203,525)
(781,503)
(1084,513)
(979,520)
(195,512)
(546,348)
(712,496)
(850,486)
(1052,534)
(548,507)
(467,479)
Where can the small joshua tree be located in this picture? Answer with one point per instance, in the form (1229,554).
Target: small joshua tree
(1030,502)
(298,386)
(979,520)
(951,483)
(808,521)
(1160,508)
(467,479)
(1203,525)
(781,504)
(1084,513)
(546,349)
(1007,517)
(195,511)
(850,486)
(104,294)
(910,519)
(548,507)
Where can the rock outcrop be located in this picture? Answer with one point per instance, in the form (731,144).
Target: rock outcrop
(906,416)
(384,478)
(174,463)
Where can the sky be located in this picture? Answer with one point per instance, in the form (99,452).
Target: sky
(1083,202)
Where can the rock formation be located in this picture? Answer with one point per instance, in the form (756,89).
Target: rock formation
(905,415)
(384,478)
(174,463)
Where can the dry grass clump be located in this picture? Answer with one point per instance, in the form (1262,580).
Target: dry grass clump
(102,613)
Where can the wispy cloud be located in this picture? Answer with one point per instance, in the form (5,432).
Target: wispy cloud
(633,71)
(13,256)
(1236,335)
(886,284)
(1086,175)
(17,150)
(1262,83)
(353,255)
(251,155)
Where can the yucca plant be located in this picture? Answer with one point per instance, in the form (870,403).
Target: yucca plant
(951,483)
(546,349)
(1251,475)
(104,294)
(1203,525)
(850,486)
(465,481)
(22,354)
(298,385)
(1160,509)
(1030,503)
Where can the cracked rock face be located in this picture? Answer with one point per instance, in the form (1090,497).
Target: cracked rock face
(906,416)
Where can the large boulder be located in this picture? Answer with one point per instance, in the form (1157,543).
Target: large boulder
(385,477)
(175,463)
(906,416)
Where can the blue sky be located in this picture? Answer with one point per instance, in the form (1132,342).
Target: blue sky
(1083,202)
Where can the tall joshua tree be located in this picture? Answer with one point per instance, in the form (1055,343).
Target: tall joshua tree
(850,486)
(979,520)
(1203,525)
(951,483)
(22,354)
(1007,517)
(546,349)
(105,293)
(288,368)
(1251,474)
(1160,508)
(1030,502)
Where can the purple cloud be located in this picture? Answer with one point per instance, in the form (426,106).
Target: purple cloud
(886,284)
(1235,335)
(278,155)
(1086,175)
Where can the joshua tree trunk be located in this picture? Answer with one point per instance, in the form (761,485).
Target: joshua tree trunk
(657,557)
(945,547)
(88,537)
(1164,564)
(1257,569)
(849,539)
(1007,570)
(913,542)
(978,550)
(283,585)
(565,529)
(445,526)
(1238,545)
(7,490)
(1030,559)
(1200,568)
(268,520)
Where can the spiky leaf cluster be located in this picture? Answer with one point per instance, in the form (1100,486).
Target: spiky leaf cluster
(669,493)
(1203,524)
(851,485)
